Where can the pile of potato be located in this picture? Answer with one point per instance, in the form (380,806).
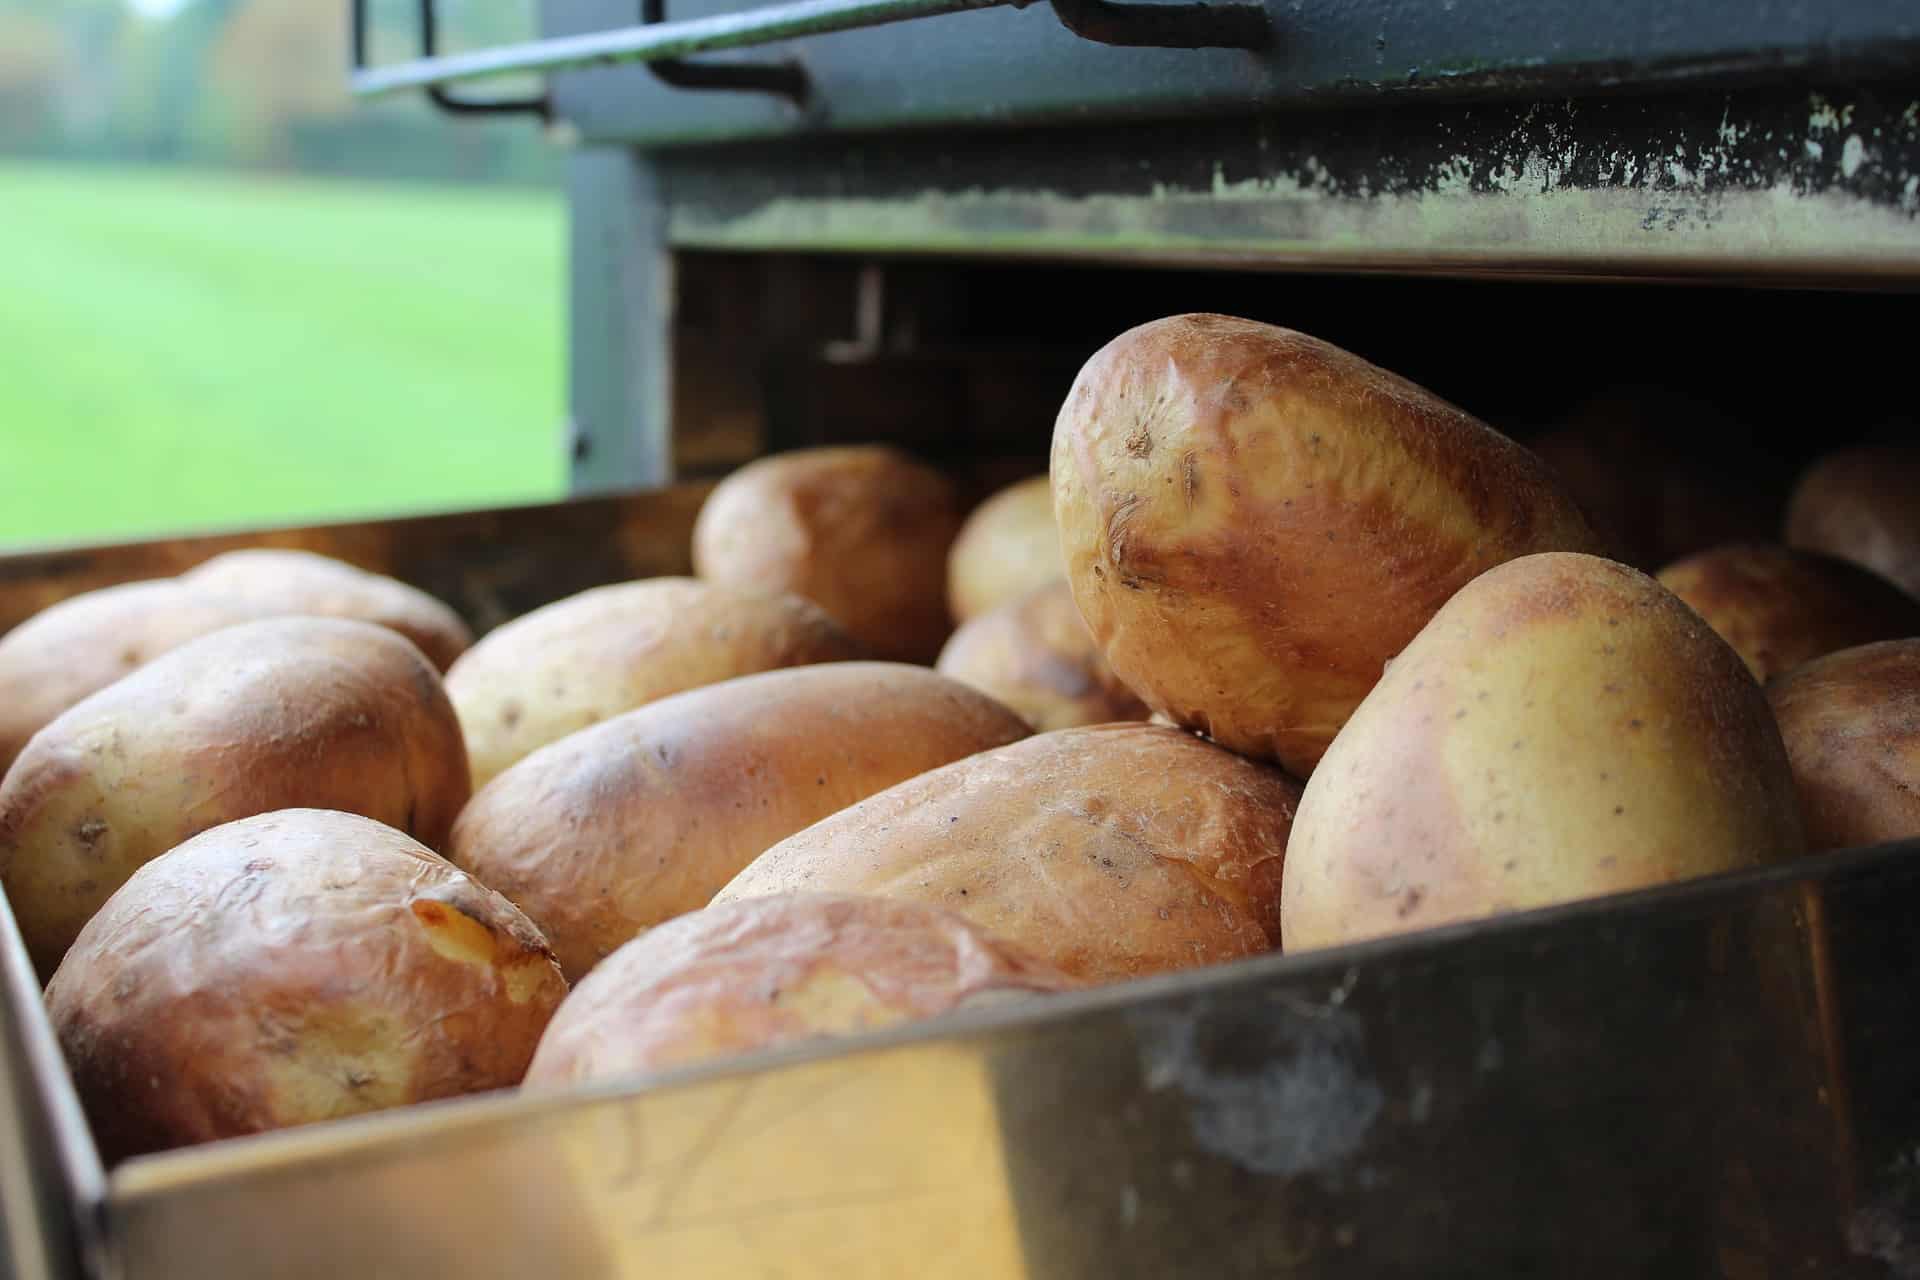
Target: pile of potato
(287,844)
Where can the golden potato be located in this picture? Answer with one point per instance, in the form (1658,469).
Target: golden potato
(1111,851)
(1851,722)
(614,829)
(1778,607)
(1564,728)
(1254,521)
(1860,505)
(85,643)
(590,657)
(1006,548)
(300,582)
(279,714)
(861,531)
(771,971)
(292,967)
(1035,654)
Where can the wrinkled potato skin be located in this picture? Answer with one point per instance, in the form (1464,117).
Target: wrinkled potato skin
(592,656)
(771,971)
(83,644)
(284,713)
(617,828)
(1564,728)
(301,582)
(1008,547)
(293,967)
(1254,521)
(1779,608)
(1035,654)
(1860,505)
(1111,852)
(1851,722)
(862,531)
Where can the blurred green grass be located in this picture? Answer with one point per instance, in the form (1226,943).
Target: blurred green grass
(183,350)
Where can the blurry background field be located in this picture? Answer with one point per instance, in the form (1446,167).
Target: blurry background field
(229,295)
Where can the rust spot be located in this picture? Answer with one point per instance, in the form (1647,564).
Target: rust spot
(89,832)
(1410,902)
(428,913)
(1139,444)
(510,714)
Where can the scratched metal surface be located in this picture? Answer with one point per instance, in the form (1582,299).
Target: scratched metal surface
(1776,184)
(1708,1079)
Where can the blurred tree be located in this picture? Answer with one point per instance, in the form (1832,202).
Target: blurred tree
(32,57)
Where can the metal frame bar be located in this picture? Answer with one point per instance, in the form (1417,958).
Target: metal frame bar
(1182,26)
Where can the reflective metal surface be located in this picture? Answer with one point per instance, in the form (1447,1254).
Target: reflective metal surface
(1712,1079)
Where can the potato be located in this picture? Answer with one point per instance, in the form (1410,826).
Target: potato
(590,657)
(862,531)
(284,713)
(614,829)
(1649,470)
(1563,728)
(85,643)
(1778,607)
(300,582)
(1035,654)
(1851,722)
(1860,505)
(292,967)
(1007,547)
(1255,521)
(1111,851)
(771,971)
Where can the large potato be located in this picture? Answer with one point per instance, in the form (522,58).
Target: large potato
(614,829)
(1563,728)
(771,971)
(1035,654)
(861,531)
(1860,505)
(590,657)
(1779,607)
(1254,521)
(83,644)
(1110,851)
(286,713)
(1007,547)
(300,582)
(293,967)
(1851,722)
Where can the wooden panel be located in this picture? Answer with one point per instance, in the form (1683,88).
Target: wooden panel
(490,565)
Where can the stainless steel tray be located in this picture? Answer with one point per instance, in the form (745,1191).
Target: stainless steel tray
(1713,1078)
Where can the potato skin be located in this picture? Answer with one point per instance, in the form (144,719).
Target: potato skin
(771,971)
(301,582)
(1007,547)
(1035,654)
(617,828)
(592,656)
(293,967)
(1859,505)
(278,714)
(1563,728)
(1111,851)
(85,643)
(1779,607)
(1851,723)
(1254,521)
(862,531)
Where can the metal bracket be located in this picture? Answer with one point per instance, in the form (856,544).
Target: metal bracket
(1197,25)
(786,79)
(1190,25)
(540,105)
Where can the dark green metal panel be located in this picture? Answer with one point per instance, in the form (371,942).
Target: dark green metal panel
(1002,67)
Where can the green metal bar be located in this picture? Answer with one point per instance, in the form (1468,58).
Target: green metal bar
(662,40)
